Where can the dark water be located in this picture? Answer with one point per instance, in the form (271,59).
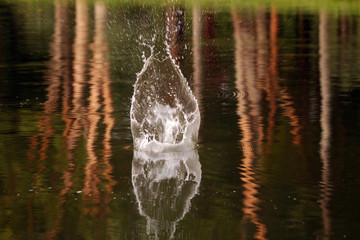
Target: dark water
(279,96)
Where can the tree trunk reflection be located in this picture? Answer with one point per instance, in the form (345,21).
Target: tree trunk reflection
(248,111)
(325,123)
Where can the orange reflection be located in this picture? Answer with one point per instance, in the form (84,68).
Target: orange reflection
(67,81)
(289,111)
(58,80)
(325,123)
(101,12)
(53,79)
(100,97)
(81,49)
(261,61)
(272,86)
(261,46)
(73,132)
(276,93)
(249,115)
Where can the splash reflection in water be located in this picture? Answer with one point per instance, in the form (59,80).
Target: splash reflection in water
(164,185)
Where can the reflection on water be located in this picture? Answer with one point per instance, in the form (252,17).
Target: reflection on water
(278,92)
(325,116)
(100,97)
(272,85)
(249,117)
(197,54)
(68,78)
(164,185)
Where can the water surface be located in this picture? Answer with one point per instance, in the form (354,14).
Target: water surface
(278,151)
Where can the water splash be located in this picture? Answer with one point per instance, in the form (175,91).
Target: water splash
(164,113)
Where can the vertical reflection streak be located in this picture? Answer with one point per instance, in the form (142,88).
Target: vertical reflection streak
(272,85)
(248,112)
(53,90)
(67,93)
(80,55)
(274,91)
(261,60)
(59,76)
(261,46)
(79,68)
(197,56)
(66,75)
(53,79)
(325,124)
(91,178)
(66,81)
(109,121)
(100,104)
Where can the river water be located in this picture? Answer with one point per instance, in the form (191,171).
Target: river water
(278,151)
